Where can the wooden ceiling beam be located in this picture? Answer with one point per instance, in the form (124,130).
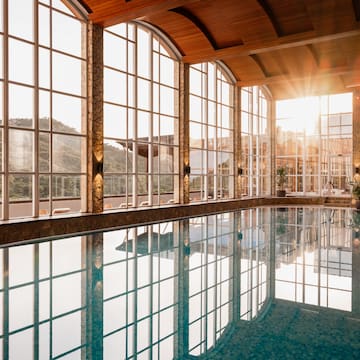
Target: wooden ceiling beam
(323,73)
(284,42)
(115,13)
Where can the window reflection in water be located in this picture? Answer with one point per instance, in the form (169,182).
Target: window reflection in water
(171,289)
(314,257)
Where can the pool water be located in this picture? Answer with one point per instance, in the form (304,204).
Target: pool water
(262,283)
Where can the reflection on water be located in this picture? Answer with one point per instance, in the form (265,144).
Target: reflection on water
(174,289)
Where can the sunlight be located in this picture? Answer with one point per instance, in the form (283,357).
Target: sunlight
(302,114)
(299,114)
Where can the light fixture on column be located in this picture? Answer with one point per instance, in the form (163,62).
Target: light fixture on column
(240,171)
(187,169)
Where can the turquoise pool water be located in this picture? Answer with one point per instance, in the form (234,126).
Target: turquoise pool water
(253,284)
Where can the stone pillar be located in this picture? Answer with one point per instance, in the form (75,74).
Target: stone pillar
(237,142)
(184,134)
(273,140)
(95,144)
(356,128)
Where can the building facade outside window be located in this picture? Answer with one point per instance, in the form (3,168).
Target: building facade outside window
(43,109)
(314,143)
(211,133)
(141,146)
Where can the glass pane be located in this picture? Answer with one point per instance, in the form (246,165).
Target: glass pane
(195,108)
(20,70)
(167,130)
(21,18)
(167,100)
(167,71)
(67,114)
(195,81)
(211,113)
(115,121)
(143,126)
(142,184)
(244,122)
(66,34)
(44,110)
(67,153)
(156,66)
(166,184)
(114,51)
(143,46)
(44,26)
(21,106)
(44,190)
(64,186)
(225,117)
(115,89)
(67,73)
(144,94)
(44,68)
(115,156)
(142,157)
(21,149)
(166,159)
(196,135)
(44,152)
(115,185)
(20,188)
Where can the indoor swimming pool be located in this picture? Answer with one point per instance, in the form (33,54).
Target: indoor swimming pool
(260,283)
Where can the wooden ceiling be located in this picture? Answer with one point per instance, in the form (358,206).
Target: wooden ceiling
(295,47)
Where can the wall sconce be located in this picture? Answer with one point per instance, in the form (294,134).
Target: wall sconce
(187,169)
(357,170)
(99,167)
(240,171)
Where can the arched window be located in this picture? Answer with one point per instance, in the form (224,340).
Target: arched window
(211,133)
(141,143)
(43,108)
(255,142)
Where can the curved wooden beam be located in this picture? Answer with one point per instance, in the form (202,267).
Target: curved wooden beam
(196,21)
(268,11)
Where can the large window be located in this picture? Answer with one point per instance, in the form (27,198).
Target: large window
(255,142)
(140,118)
(314,143)
(211,133)
(43,109)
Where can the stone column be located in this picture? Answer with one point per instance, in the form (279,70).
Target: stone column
(184,133)
(95,144)
(273,146)
(356,128)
